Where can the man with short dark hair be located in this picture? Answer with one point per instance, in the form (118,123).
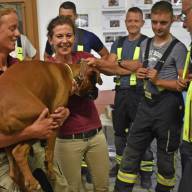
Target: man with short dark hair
(84,40)
(160,112)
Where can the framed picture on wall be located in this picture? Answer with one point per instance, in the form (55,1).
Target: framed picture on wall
(148,1)
(113,22)
(82,21)
(147,16)
(113,4)
(109,39)
(177,2)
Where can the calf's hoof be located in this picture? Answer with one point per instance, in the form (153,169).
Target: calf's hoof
(32,185)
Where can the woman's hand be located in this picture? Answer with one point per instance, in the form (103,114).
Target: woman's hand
(43,127)
(60,115)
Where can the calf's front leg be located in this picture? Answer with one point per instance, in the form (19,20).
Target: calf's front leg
(49,153)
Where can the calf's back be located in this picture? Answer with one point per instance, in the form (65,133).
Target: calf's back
(27,88)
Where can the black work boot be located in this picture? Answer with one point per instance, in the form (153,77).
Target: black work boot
(162,188)
(88,176)
(146,182)
(122,187)
(114,170)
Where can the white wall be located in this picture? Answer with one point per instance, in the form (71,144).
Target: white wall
(47,9)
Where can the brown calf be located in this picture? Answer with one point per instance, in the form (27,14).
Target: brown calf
(26,89)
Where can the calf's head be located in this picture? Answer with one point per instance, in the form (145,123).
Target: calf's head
(86,78)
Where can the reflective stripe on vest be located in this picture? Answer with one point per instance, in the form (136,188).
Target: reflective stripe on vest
(19,52)
(80,43)
(19,49)
(127,177)
(119,53)
(80,48)
(187,60)
(187,129)
(133,79)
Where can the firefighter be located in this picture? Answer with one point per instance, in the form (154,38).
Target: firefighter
(186,146)
(160,112)
(128,93)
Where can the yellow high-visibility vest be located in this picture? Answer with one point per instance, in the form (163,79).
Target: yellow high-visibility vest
(187,129)
(133,79)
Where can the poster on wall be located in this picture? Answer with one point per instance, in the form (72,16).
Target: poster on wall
(113,4)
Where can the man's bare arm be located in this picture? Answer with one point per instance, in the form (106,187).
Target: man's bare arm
(172,85)
(131,65)
(108,66)
(104,53)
